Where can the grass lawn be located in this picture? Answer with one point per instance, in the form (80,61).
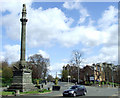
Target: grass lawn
(36,92)
(4,93)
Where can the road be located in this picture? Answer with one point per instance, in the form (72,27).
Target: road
(63,85)
(92,91)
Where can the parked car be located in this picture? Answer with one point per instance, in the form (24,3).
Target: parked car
(75,91)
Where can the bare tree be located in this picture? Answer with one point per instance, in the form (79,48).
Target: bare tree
(39,65)
(76,60)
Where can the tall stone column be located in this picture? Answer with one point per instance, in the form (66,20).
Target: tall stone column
(23,37)
(22,75)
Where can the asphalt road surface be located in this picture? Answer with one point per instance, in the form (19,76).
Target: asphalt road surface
(92,91)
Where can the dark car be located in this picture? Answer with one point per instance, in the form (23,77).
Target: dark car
(75,91)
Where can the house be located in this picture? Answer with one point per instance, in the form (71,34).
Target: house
(99,73)
(88,73)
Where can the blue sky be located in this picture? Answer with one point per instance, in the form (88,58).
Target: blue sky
(55,29)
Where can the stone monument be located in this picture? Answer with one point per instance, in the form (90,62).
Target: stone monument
(22,75)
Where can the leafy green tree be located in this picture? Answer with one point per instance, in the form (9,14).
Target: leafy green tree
(7,73)
(64,75)
(72,71)
(49,78)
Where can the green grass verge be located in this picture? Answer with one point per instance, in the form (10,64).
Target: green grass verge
(4,93)
(36,92)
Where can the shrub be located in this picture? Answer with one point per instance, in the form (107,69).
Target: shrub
(35,81)
(85,82)
(91,82)
(95,82)
(103,83)
(99,83)
(6,82)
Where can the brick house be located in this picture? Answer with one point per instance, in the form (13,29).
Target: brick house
(88,71)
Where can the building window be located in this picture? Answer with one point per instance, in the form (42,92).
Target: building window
(101,68)
(94,68)
(98,68)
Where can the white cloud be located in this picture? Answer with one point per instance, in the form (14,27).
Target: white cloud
(71,5)
(43,53)
(109,24)
(87,51)
(109,17)
(87,35)
(111,51)
(92,35)
(47,25)
(77,5)
(113,35)
(11,53)
(11,21)
(105,55)
(65,60)
(56,67)
(83,16)
(2,58)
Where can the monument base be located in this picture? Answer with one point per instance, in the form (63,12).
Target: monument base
(22,81)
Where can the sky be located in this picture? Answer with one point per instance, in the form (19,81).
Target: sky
(55,29)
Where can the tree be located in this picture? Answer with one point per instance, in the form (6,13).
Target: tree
(7,73)
(69,71)
(39,66)
(76,60)
(64,75)
(6,70)
(49,78)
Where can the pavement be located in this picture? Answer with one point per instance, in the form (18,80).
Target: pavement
(63,85)
(48,85)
